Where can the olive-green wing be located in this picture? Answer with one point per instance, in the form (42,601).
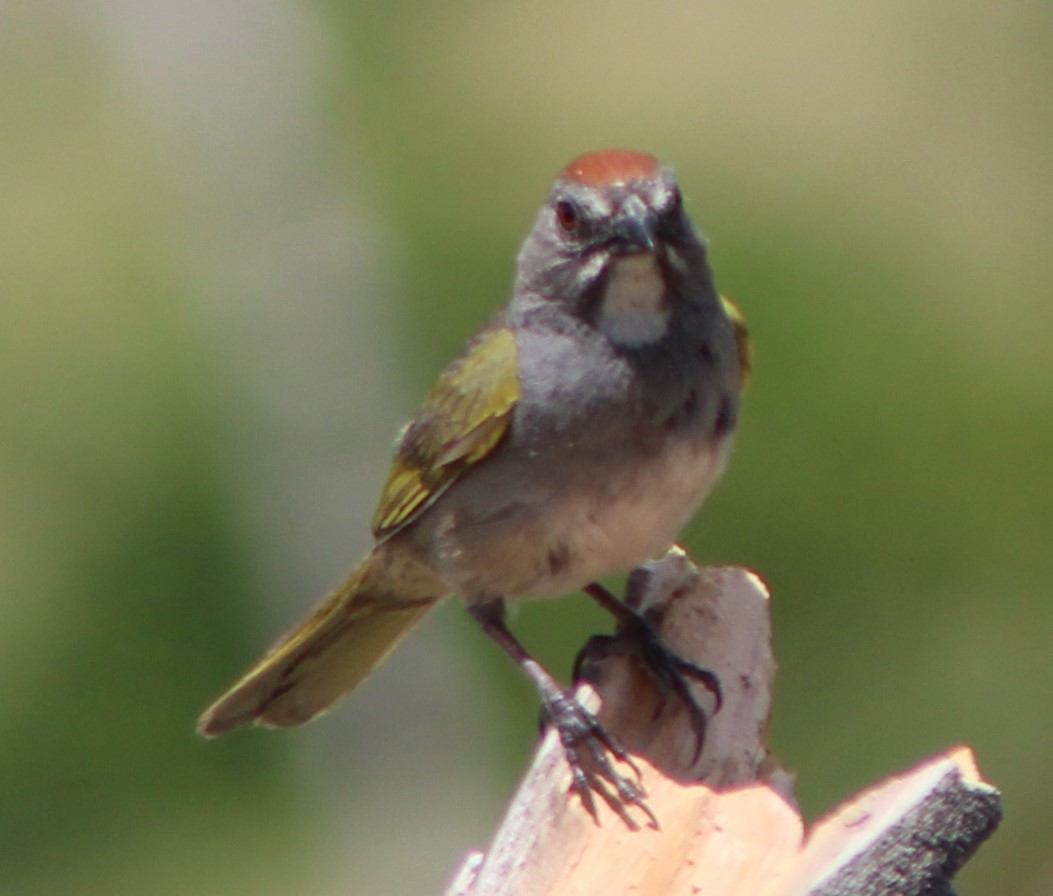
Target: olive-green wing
(462,420)
(742,338)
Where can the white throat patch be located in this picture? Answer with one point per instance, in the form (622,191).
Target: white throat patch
(633,311)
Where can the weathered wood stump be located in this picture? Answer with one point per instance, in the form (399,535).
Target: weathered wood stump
(727,821)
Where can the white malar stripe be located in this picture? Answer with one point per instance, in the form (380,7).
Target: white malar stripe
(634,311)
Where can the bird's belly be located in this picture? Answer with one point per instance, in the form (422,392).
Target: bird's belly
(550,547)
(637,520)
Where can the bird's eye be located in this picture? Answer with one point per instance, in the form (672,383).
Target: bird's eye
(567,215)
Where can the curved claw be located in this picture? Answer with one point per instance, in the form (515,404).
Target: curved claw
(589,749)
(587,746)
(670,672)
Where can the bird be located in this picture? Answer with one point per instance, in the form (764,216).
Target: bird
(572,439)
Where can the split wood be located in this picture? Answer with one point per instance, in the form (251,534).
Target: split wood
(728,823)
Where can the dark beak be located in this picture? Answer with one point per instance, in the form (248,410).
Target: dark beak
(634,227)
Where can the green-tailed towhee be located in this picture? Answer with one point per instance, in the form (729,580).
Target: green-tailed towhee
(573,438)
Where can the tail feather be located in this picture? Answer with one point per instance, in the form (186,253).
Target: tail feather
(332,651)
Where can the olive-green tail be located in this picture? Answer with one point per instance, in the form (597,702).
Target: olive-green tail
(332,651)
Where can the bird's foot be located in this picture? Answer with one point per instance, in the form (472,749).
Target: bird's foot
(671,673)
(592,754)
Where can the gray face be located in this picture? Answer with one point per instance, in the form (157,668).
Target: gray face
(615,253)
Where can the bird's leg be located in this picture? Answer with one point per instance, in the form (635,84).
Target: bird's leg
(670,672)
(587,745)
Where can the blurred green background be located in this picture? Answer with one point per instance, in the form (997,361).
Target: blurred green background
(237,242)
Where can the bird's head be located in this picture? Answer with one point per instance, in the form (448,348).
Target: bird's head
(615,245)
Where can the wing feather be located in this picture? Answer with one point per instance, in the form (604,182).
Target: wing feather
(463,419)
(742,338)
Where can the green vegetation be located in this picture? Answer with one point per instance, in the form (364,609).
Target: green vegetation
(235,252)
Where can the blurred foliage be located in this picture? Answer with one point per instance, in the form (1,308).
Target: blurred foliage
(875,186)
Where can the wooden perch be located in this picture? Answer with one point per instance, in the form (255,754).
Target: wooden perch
(728,824)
